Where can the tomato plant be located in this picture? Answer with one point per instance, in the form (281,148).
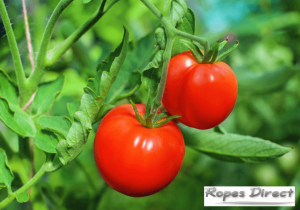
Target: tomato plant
(133,159)
(72,87)
(204,94)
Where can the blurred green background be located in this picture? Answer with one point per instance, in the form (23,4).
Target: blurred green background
(268,106)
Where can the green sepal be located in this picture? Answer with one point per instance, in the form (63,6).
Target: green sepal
(159,117)
(166,121)
(148,104)
(215,52)
(222,45)
(226,53)
(194,49)
(138,116)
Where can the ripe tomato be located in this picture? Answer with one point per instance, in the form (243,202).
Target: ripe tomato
(203,94)
(135,160)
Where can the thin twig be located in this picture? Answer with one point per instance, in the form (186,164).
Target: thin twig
(28,35)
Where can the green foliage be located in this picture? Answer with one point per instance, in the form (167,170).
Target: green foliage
(137,58)
(91,103)
(6,174)
(151,73)
(22,197)
(177,12)
(187,25)
(16,119)
(51,89)
(232,147)
(62,123)
(46,141)
(265,82)
(56,124)
(7,89)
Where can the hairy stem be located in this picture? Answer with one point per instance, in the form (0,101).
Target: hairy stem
(25,187)
(13,47)
(157,13)
(41,57)
(166,60)
(198,39)
(54,54)
(46,167)
(29,45)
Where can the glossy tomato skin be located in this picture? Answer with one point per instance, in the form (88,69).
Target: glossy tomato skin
(203,94)
(135,160)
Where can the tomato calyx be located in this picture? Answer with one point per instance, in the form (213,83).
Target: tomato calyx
(213,55)
(151,118)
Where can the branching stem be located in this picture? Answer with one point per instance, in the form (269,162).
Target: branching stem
(171,32)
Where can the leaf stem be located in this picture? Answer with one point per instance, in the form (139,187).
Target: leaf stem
(166,59)
(198,39)
(25,187)
(54,54)
(46,167)
(21,79)
(41,57)
(164,21)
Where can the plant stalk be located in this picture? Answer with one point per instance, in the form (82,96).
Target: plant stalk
(166,60)
(54,54)
(41,57)
(21,79)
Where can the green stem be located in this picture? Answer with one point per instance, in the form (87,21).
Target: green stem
(158,14)
(46,167)
(198,39)
(166,60)
(25,187)
(54,54)
(21,79)
(41,57)
(126,95)
(170,33)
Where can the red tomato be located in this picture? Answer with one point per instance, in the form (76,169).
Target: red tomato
(135,160)
(203,94)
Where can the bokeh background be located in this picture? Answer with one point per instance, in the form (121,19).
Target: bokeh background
(268,106)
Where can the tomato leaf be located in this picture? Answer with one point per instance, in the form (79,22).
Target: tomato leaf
(56,124)
(177,11)
(7,89)
(188,26)
(87,1)
(46,140)
(72,108)
(91,102)
(137,58)
(152,72)
(232,147)
(264,82)
(16,119)
(45,96)
(6,174)
(22,197)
